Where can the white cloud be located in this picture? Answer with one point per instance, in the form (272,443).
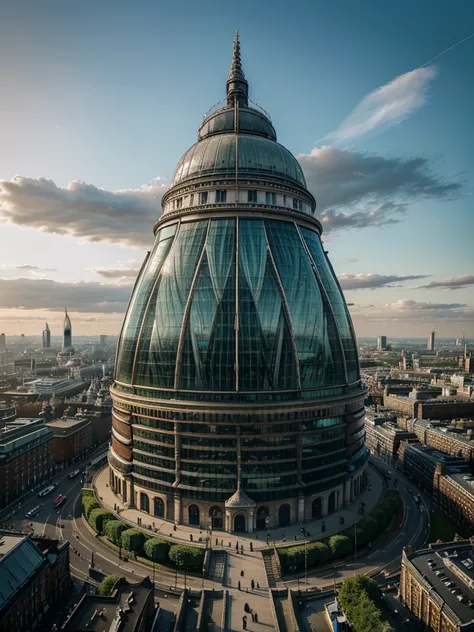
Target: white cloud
(125,216)
(357,189)
(453,283)
(386,106)
(373,281)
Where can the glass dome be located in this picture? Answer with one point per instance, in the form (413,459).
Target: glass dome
(266,316)
(215,155)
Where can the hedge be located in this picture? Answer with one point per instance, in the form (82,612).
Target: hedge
(98,518)
(107,585)
(318,553)
(133,540)
(340,545)
(157,549)
(113,530)
(89,503)
(186,557)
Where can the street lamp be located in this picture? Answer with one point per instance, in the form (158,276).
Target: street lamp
(305,561)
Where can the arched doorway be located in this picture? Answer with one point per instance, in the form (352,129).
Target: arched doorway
(159,508)
(144,502)
(215,514)
(332,502)
(284,515)
(193,515)
(262,515)
(239,522)
(317,508)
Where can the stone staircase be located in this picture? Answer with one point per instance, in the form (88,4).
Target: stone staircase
(217,566)
(271,567)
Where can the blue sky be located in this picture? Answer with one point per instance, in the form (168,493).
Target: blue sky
(111,94)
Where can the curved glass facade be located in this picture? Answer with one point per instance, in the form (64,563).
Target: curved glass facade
(237,377)
(237,304)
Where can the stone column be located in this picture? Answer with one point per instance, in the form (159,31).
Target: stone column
(301,507)
(324,506)
(250,519)
(228,525)
(347,492)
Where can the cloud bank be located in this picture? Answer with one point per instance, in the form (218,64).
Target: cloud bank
(51,295)
(373,281)
(83,210)
(454,283)
(386,106)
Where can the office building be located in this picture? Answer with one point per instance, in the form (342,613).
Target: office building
(436,585)
(67,333)
(46,337)
(237,400)
(453,494)
(382,343)
(431,341)
(7,413)
(34,578)
(419,462)
(130,608)
(383,435)
(453,437)
(72,438)
(25,457)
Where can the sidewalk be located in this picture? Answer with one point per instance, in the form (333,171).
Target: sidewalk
(182,534)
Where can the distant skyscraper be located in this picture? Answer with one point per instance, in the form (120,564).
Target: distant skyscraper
(67,344)
(382,343)
(46,337)
(103,340)
(3,343)
(431,341)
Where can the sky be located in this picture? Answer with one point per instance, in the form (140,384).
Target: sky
(99,101)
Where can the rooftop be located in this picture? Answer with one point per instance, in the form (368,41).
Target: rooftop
(104,614)
(452,463)
(65,425)
(456,561)
(19,559)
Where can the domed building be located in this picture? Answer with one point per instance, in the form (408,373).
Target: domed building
(237,401)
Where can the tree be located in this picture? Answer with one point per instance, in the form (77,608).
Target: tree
(352,588)
(107,585)
(114,530)
(186,557)
(156,549)
(133,540)
(340,545)
(380,518)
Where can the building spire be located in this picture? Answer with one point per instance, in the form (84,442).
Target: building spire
(237,86)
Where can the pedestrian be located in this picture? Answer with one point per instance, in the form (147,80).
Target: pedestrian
(258,586)
(237,547)
(251,547)
(252,583)
(252,615)
(244,622)
(238,584)
(242,573)
(246,607)
(255,617)
(242,549)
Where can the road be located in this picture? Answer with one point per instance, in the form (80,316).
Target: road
(66,523)
(386,556)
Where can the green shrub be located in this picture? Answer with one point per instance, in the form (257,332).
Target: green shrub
(186,557)
(156,549)
(340,545)
(89,503)
(318,553)
(107,585)
(292,557)
(133,540)
(114,530)
(369,528)
(98,518)
(359,597)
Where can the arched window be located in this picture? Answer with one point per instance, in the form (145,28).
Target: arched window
(284,514)
(317,508)
(215,513)
(262,516)
(239,522)
(193,515)
(159,508)
(144,502)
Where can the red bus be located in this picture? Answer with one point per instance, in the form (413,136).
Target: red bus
(60,500)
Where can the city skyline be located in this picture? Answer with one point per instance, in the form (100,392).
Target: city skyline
(115,110)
